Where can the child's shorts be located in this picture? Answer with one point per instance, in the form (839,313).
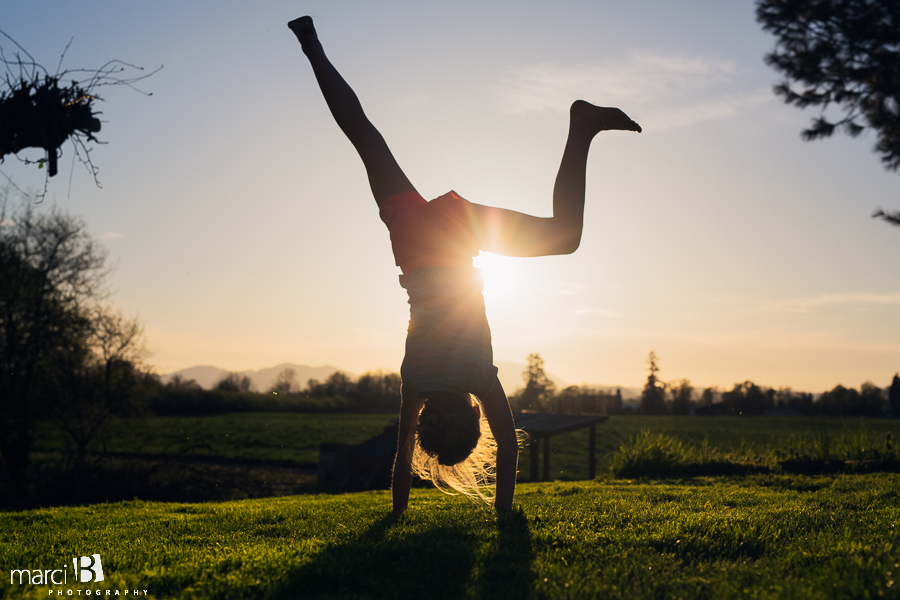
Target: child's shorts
(448,343)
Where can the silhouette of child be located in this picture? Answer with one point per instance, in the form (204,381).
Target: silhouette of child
(456,426)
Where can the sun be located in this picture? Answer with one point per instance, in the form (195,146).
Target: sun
(503,278)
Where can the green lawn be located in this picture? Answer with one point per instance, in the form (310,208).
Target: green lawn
(757,537)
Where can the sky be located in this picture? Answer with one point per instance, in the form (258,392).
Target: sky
(244,235)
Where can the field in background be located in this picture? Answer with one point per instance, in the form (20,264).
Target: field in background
(737,435)
(292,439)
(756,537)
(281,439)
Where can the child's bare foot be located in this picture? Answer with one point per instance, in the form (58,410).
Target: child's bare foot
(597,118)
(305,31)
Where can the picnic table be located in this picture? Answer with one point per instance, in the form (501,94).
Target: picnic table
(543,426)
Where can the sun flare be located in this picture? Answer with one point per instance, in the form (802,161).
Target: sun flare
(503,278)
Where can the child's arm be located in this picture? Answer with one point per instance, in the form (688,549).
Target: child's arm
(401,479)
(500,419)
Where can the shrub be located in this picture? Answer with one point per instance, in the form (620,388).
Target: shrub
(649,455)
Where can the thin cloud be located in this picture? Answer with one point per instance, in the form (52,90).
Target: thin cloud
(802,305)
(110,236)
(566,289)
(600,312)
(662,91)
(720,108)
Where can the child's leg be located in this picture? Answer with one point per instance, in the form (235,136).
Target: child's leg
(385,176)
(585,121)
(516,234)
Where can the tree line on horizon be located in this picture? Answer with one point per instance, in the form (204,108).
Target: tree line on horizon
(747,398)
(372,392)
(679,397)
(379,391)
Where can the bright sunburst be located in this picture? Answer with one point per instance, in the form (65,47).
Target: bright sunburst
(503,279)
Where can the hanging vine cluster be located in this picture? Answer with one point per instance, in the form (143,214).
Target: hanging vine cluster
(38,110)
(41,114)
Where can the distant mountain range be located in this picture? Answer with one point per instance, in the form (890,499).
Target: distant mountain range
(207,376)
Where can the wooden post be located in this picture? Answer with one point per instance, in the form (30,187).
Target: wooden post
(547,458)
(592,453)
(534,460)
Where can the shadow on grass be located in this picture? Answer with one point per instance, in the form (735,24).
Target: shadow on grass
(442,562)
(507,570)
(54,481)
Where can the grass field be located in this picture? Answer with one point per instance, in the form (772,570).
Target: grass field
(288,439)
(756,537)
(739,435)
(292,439)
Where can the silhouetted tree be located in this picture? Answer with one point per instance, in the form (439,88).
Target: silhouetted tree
(52,273)
(100,380)
(749,399)
(339,384)
(314,387)
(803,402)
(838,401)
(234,382)
(653,398)
(538,389)
(710,395)
(892,218)
(373,392)
(842,401)
(871,400)
(285,382)
(567,400)
(378,391)
(583,398)
(64,353)
(682,395)
(894,395)
(179,383)
(378,384)
(788,399)
(844,53)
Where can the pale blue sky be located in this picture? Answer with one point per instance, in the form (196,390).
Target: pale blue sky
(245,235)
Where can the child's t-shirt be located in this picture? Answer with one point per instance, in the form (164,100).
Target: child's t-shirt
(448,344)
(439,233)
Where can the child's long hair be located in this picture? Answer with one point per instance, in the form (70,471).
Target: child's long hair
(454,447)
